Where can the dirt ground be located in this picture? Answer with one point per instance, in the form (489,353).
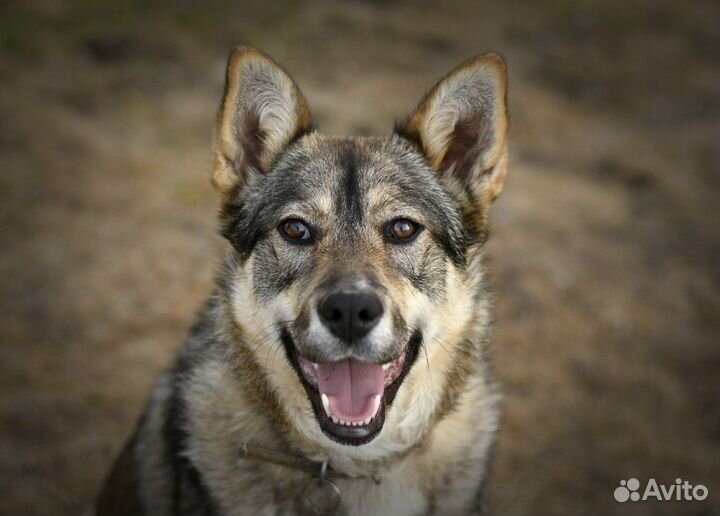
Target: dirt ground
(604,254)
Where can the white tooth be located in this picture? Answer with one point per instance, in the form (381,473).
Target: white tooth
(367,421)
(377,405)
(315,365)
(385,366)
(335,420)
(326,404)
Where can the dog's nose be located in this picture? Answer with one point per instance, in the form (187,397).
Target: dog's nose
(350,316)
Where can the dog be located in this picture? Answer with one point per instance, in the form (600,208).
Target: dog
(339,367)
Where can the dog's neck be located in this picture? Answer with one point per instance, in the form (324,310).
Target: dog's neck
(319,470)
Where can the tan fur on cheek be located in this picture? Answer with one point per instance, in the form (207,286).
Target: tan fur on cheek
(443,325)
(252,315)
(261,324)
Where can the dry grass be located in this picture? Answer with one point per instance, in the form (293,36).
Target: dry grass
(605,245)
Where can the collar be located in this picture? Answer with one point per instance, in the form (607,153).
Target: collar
(322,495)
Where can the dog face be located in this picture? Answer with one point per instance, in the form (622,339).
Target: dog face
(352,254)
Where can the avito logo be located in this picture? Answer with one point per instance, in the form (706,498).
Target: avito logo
(630,490)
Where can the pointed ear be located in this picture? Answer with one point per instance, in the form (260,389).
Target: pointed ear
(461,125)
(262,112)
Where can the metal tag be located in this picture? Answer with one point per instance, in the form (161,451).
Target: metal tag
(322,497)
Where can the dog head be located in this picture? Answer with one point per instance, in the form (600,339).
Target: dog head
(351,254)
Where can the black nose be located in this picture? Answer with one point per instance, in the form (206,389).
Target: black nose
(350,316)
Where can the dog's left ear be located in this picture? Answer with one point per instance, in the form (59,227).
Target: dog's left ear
(262,111)
(461,125)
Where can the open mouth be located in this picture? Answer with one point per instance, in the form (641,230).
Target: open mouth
(350,397)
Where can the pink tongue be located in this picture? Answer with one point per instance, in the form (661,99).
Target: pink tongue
(351,387)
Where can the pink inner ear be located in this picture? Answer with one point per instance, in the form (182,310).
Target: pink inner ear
(464,148)
(250,138)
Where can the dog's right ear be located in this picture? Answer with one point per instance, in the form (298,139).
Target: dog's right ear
(261,113)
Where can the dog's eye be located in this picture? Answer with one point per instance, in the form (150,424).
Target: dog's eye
(402,230)
(295,230)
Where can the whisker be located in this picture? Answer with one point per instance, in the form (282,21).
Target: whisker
(441,342)
(427,364)
(270,329)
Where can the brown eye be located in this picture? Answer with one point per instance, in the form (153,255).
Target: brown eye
(295,230)
(403,230)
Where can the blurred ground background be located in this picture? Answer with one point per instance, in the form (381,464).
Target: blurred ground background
(604,255)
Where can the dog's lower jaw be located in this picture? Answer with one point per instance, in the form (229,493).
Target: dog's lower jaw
(348,434)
